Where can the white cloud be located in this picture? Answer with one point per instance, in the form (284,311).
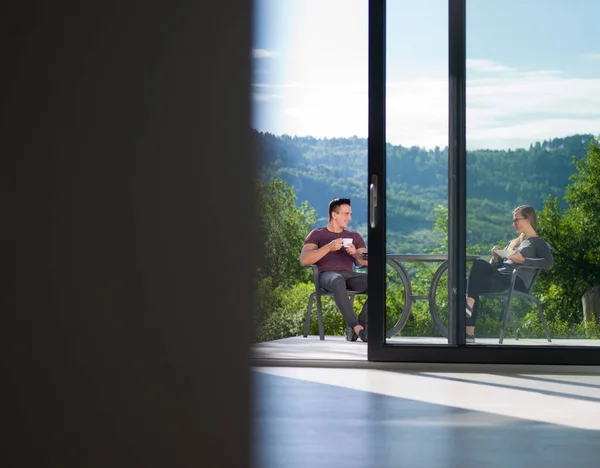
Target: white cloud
(590,56)
(263,53)
(506,107)
(525,133)
(526,106)
(482,65)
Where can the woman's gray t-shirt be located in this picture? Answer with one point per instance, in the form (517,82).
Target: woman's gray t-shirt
(537,254)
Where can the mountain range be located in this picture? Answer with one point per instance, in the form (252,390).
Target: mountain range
(417,182)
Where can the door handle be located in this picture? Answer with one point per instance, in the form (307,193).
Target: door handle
(373,201)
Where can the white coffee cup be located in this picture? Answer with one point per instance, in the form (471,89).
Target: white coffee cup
(346,241)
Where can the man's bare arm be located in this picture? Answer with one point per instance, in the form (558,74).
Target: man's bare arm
(311,254)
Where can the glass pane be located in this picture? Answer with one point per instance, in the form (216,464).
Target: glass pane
(417,172)
(533,105)
(310,70)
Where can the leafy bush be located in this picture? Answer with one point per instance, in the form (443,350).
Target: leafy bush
(419,322)
(282,310)
(267,301)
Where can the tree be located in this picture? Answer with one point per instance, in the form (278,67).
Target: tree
(574,234)
(284,227)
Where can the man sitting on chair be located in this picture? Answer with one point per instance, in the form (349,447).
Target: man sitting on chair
(335,250)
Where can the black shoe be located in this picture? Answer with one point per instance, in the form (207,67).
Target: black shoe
(350,335)
(470,338)
(364,335)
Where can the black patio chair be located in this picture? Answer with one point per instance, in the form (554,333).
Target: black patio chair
(510,293)
(316,296)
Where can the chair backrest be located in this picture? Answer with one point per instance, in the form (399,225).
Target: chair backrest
(536,272)
(315,271)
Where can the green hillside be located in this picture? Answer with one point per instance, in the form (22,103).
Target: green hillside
(497,181)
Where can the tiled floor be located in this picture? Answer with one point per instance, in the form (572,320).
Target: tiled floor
(323,417)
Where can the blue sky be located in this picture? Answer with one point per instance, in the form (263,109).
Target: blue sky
(533,70)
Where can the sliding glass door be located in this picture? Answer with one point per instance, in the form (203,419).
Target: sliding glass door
(432,211)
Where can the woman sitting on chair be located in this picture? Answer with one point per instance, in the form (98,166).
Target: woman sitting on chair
(495,276)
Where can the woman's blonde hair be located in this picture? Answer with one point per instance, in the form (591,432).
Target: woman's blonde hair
(515,242)
(527,212)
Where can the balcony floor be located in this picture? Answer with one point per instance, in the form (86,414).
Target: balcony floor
(335,351)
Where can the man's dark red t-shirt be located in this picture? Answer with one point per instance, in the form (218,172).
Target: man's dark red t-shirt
(338,260)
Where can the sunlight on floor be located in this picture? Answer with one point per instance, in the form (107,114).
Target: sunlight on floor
(562,400)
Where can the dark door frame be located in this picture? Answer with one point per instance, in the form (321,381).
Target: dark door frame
(456,351)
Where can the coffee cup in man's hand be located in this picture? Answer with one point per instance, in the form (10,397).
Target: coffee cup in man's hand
(347,241)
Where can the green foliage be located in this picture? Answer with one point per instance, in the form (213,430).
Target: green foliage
(420,322)
(574,234)
(267,301)
(285,316)
(282,310)
(440,230)
(395,298)
(284,227)
(528,323)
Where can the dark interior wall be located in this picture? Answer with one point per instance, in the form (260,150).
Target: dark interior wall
(127,181)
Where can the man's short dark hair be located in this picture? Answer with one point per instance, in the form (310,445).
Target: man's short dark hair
(334,205)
